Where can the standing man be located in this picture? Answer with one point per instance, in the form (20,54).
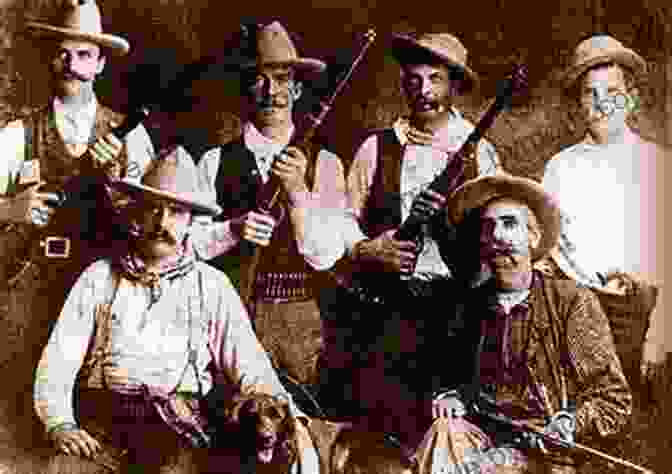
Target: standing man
(523,345)
(609,186)
(145,335)
(44,248)
(391,168)
(285,282)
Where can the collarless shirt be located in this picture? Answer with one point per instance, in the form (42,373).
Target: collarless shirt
(75,124)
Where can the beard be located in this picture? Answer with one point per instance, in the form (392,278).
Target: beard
(510,268)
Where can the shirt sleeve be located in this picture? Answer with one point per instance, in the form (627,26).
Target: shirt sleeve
(208,166)
(140,152)
(358,184)
(64,353)
(323,208)
(237,354)
(604,401)
(12,143)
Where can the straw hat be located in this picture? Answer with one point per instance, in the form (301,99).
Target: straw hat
(475,193)
(80,20)
(173,176)
(601,49)
(407,48)
(273,45)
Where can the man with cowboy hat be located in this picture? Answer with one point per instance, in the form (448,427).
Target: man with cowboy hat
(286,281)
(41,152)
(145,335)
(538,349)
(610,190)
(391,167)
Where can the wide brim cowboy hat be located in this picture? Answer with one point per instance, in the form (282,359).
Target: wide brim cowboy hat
(271,44)
(444,47)
(79,20)
(476,193)
(601,49)
(173,176)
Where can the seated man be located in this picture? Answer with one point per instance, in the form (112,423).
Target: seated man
(144,336)
(539,350)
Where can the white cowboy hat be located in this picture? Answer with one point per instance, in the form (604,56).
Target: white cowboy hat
(273,45)
(600,49)
(445,47)
(173,176)
(477,192)
(80,20)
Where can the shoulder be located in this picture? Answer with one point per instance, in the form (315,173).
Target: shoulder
(563,162)
(570,296)
(210,156)
(97,275)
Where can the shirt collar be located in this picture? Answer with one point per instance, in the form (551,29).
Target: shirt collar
(260,144)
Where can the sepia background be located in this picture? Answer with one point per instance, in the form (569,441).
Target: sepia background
(167,35)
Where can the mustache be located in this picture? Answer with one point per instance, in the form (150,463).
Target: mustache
(70,75)
(272,102)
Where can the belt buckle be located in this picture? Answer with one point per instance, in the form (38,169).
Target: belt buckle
(56,247)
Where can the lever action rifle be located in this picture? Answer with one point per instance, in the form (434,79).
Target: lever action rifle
(373,290)
(303,134)
(91,187)
(521,426)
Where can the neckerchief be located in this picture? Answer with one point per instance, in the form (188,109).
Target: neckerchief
(134,269)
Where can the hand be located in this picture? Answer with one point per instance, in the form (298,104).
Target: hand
(448,406)
(290,168)
(32,206)
(428,203)
(105,153)
(75,441)
(254,227)
(562,426)
(653,358)
(395,255)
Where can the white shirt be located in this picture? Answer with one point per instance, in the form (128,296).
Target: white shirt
(139,147)
(75,124)
(321,247)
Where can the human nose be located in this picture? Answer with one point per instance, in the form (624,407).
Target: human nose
(425,88)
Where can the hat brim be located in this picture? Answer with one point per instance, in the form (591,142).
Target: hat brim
(625,57)
(197,206)
(478,192)
(405,48)
(115,44)
(307,67)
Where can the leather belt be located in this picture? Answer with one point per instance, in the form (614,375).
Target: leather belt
(283,286)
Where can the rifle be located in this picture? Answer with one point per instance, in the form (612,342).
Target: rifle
(526,427)
(91,186)
(412,229)
(303,134)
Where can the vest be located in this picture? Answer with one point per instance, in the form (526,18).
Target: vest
(383,206)
(91,228)
(282,271)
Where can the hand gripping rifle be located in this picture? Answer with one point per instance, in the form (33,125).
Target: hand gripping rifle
(91,187)
(524,427)
(375,290)
(303,134)
(453,175)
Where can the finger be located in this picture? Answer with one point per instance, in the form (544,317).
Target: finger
(64,449)
(112,140)
(405,247)
(263,219)
(264,242)
(74,447)
(259,227)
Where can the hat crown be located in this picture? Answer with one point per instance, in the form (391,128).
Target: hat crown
(82,16)
(274,45)
(445,43)
(174,172)
(598,45)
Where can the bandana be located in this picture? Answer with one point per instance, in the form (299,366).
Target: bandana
(133,268)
